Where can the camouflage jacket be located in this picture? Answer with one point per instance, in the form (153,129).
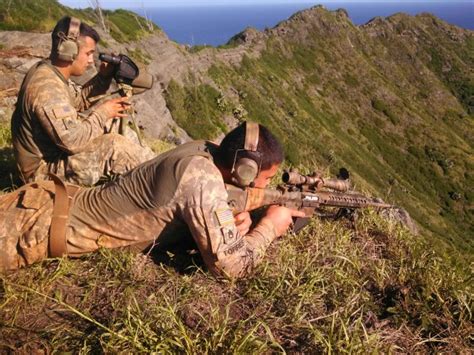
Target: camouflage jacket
(167,200)
(45,124)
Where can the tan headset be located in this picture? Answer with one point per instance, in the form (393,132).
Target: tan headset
(245,170)
(68,48)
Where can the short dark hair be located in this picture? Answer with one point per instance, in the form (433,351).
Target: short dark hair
(269,149)
(63,27)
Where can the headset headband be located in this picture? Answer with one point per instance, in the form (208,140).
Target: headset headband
(74,28)
(251,136)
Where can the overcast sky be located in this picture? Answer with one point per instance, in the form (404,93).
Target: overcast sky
(111,4)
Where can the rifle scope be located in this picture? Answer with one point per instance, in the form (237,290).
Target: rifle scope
(314,181)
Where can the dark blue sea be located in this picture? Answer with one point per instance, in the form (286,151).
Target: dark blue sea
(215,25)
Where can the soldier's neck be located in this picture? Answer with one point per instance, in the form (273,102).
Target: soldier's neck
(226,174)
(65,72)
(63,67)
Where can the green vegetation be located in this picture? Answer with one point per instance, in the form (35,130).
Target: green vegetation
(195,109)
(126,26)
(140,55)
(42,15)
(379,105)
(454,77)
(198,48)
(29,15)
(324,101)
(158,146)
(8,174)
(328,289)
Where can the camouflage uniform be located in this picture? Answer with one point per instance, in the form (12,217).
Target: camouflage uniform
(48,135)
(165,201)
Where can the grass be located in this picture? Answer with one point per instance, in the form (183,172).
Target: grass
(8,174)
(140,55)
(42,15)
(28,15)
(379,105)
(198,48)
(196,109)
(158,146)
(331,288)
(126,26)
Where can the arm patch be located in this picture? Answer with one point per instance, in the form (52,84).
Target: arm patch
(62,111)
(225,221)
(224,217)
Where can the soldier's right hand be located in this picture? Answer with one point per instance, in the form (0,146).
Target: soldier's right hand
(115,107)
(282,217)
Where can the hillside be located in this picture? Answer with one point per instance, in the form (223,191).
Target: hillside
(391,100)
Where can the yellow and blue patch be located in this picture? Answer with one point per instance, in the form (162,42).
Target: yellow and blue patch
(224,217)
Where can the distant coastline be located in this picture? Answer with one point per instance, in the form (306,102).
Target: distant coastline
(215,25)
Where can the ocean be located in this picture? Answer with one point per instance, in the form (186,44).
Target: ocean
(215,25)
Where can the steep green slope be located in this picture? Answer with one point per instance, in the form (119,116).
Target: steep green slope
(390,101)
(42,15)
(330,289)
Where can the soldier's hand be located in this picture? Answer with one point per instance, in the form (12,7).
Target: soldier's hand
(115,107)
(243,222)
(282,217)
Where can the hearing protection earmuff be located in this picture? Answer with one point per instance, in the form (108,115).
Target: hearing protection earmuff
(245,170)
(68,48)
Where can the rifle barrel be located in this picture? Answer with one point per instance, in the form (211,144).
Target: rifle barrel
(252,198)
(337,199)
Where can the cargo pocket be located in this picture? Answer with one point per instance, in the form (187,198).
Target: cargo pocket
(35,221)
(9,236)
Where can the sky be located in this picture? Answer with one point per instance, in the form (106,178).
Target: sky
(112,4)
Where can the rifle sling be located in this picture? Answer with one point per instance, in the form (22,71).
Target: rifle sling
(63,197)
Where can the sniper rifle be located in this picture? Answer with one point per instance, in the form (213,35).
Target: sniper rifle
(307,193)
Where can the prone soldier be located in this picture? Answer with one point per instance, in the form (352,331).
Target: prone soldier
(48,134)
(176,198)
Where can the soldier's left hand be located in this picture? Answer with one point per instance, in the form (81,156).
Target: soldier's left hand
(243,222)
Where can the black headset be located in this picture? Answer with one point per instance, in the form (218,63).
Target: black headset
(245,170)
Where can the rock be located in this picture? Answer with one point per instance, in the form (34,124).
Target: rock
(23,68)
(401,216)
(247,36)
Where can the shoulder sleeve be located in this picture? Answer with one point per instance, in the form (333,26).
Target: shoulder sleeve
(206,212)
(51,105)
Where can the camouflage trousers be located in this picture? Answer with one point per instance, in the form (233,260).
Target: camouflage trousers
(106,155)
(25,222)
(25,219)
